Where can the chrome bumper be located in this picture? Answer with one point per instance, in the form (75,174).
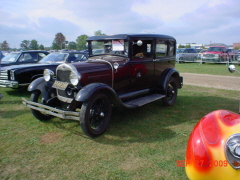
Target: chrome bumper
(52,111)
(9,84)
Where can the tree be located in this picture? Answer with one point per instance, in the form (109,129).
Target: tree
(99,33)
(41,47)
(5,46)
(181,46)
(72,45)
(60,39)
(55,46)
(25,44)
(33,45)
(81,42)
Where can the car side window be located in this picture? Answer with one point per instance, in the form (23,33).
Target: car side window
(142,48)
(28,57)
(161,48)
(171,48)
(41,55)
(191,51)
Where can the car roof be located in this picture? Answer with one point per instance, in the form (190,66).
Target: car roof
(69,52)
(128,36)
(30,51)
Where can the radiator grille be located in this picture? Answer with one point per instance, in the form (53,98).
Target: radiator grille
(63,76)
(3,75)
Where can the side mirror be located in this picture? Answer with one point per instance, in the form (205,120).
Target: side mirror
(231,68)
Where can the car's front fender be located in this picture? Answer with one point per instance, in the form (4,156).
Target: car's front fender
(43,86)
(87,92)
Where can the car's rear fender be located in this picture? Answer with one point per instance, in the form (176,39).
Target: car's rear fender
(166,75)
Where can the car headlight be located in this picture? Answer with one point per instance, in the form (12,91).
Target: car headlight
(74,78)
(232,150)
(12,76)
(48,74)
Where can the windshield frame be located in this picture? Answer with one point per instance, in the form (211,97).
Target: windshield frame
(106,46)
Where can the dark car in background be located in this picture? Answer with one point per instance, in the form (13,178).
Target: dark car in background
(17,76)
(23,57)
(186,54)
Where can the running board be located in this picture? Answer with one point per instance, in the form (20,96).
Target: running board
(143,100)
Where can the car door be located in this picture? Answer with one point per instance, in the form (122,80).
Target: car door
(192,54)
(142,64)
(165,52)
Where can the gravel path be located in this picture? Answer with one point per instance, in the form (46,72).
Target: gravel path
(214,81)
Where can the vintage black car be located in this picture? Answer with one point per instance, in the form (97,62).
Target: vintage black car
(17,76)
(130,71)
(23,57)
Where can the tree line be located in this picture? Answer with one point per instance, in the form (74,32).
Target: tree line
(59,42)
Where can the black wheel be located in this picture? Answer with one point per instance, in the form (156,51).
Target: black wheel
(170,92)
(36,96)
(95,114)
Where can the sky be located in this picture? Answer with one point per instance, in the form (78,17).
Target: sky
(189,21)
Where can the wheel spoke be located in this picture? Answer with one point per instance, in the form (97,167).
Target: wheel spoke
(97,114)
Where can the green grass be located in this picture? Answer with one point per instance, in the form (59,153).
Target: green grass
(142,143)
(207,68)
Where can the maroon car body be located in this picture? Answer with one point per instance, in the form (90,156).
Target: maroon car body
(126,70)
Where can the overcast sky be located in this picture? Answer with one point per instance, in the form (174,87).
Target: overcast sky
(189,21)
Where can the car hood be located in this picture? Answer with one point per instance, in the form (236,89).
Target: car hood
(212,52)
(6,63)
(14,67)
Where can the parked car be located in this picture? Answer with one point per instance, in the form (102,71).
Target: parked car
(215,54)
(23,57)
(143,72)
(186,54)
(17,76)
(200,54)
(233,54)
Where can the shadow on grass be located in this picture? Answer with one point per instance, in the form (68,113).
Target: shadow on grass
(151,122)
(21,92)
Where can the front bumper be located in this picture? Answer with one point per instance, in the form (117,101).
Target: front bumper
(213,59)
(9,84)
(52,111)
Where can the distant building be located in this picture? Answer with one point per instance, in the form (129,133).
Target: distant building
(215,44)
(236,45)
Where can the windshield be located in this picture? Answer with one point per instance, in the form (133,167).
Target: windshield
(54,58)
(216,49)
(180,50)
(12,57)
(117,47)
